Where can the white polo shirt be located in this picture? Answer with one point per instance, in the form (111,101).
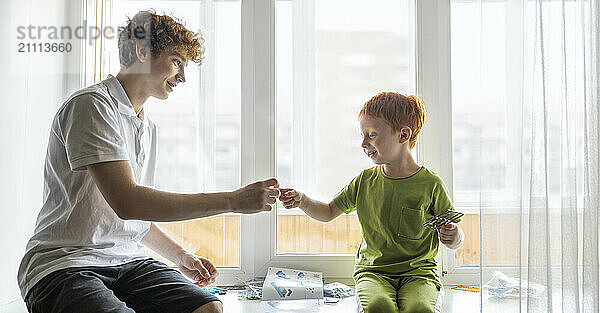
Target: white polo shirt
(76,226)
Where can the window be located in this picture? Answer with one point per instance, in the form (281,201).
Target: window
(199,124)
(329,63)
(480,116)
(278,95)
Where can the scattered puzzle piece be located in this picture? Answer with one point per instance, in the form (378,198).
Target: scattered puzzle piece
(466,288)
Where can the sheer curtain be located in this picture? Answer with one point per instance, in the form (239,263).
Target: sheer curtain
(32,87)
(532,77)
(559,199)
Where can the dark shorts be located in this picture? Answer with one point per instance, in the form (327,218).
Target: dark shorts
(138,286)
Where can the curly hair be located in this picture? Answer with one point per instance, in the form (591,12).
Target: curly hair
(397,110)
(159,32)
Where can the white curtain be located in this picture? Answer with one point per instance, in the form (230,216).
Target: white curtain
(32,87)
(537,65)
(555,217)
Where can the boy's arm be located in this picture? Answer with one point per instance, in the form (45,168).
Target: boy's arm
(320,211)
(199,269)
(132,201)
(317,210)
(452,236)
(161,243)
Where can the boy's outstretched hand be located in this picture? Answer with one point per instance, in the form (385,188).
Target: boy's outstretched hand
(449,234)
(290,197)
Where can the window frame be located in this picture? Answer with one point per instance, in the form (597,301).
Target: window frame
(434,147)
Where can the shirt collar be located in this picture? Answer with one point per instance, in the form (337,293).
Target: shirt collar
(118,93)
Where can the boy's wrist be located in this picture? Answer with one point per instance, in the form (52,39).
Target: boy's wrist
(302,200)
(458,241)
(179,255)
(461,237)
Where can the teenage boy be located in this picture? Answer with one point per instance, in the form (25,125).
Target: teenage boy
(87,253)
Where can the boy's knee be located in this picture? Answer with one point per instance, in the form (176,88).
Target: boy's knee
(211,307)
(419,306)
(381,304)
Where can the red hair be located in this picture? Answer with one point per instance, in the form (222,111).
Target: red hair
(398,111)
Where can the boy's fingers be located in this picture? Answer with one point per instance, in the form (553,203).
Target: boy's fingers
(297,196)
(201,269)
(293,203)
(446,229)
(284,194)
(211,268)
(447,238)
(449,226)
(270,182)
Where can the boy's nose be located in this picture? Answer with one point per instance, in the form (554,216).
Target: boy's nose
(181,77)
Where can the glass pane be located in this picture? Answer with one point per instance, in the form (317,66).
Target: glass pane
(199,124)
(329,63)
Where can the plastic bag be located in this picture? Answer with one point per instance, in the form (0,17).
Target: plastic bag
(503,286)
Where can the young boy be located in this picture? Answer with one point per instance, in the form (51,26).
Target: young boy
(395,269)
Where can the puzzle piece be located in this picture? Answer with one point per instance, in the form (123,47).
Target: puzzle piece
(216,290)
(442,219)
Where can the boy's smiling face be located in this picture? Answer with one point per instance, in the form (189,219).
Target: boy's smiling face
(168,70)
(380,143)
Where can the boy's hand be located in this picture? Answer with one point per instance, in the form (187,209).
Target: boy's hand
(290,197)
(448,234)
(199,269)
(255,197)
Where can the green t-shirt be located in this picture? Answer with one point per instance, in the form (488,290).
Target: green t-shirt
(391,212)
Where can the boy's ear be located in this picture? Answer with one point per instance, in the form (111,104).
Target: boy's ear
(142,53)
(404,134)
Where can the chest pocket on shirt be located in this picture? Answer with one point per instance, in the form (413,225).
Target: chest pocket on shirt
(409,224)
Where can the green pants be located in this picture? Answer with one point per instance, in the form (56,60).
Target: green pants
(406,294)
